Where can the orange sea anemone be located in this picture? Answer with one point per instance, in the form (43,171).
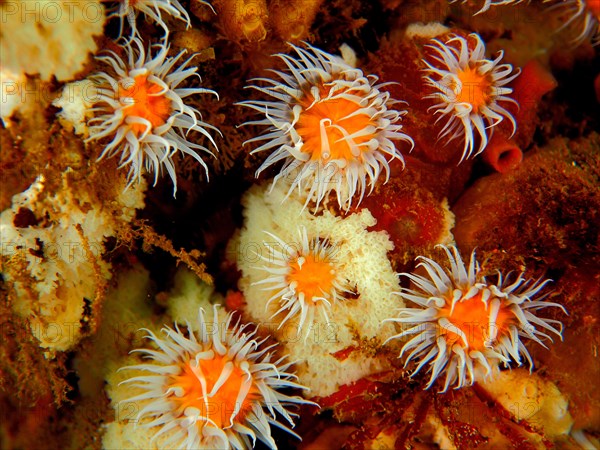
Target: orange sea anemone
(214,388)
(332,126)
(141,107)
(468,88)
(463,323)
(304,279)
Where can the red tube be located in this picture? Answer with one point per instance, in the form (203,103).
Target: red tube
(502,154)
(528,89)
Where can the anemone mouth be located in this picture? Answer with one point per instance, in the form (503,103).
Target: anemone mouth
(331,126)
(474,87)
(468,90)
(470,325)
(311,276)
(147,101)
(214,388)
(462,323)
(208,389)
(334,129)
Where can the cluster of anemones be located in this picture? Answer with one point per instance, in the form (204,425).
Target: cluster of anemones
(463,323)
(334,128)
(215,388)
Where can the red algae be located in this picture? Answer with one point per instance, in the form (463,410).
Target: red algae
(414,218)
(356,401)
(235,301)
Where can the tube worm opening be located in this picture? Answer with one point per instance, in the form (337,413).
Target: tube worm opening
(502,154)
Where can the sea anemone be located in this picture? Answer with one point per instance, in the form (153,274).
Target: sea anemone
(128,9)
(464,323)
(209,389)
(469,88)
(342,345)
(585,15)
(144,111)
(331,125)
(304,277)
